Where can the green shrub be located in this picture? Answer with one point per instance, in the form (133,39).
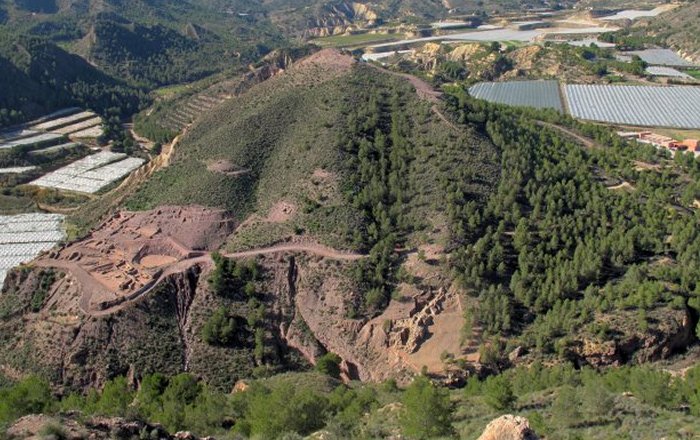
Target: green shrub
(498,393)
(220,328)
(329,364)
(427,412)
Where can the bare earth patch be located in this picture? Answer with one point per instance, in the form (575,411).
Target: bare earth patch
(645,166)
(151,261)
(131,251)
(226,167)
(281,212)
(443,335)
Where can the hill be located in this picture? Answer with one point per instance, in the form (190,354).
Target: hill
(679,29)
(322,172)
(151,43)
(41,77)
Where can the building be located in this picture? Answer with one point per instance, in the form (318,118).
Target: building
(692,145)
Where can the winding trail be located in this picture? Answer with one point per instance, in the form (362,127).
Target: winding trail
(91,286)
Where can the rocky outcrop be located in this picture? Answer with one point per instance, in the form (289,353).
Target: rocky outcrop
(340,18)
(407,334)
(509,427)
(668,331)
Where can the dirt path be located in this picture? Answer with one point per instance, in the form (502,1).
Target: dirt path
(310,248)
(91,286)
(586,142)
(423,89)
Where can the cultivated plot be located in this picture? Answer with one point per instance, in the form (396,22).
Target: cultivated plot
(656,57)
(16,170)
(633,14)
(90,174)
(55,148)
(23,237)
(32,141)
(649,106)
(61,122)
(92,122)
(537,94)
(667,72)
(52,130)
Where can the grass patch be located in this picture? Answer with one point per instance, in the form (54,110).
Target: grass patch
(695,73)
(356,39)
(165,92)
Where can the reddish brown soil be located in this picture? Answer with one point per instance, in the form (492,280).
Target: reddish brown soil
(130,252)
(281,212)
(423,89)
(330,60)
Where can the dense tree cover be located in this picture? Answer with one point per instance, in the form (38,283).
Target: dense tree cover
(378,151)
(233,279)
(558,401)
(152,129)
(220,328)
(42,77)
(554,246)
(155,55)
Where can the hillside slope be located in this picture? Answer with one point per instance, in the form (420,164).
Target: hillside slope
(150,43)
(680,29)
(41,77)
(330,154)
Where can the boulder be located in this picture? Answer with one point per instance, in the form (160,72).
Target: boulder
(509,427)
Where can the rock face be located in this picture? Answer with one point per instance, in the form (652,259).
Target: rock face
(509,427)
(668,331)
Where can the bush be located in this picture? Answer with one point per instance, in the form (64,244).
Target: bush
(220,329)
(498,393)
(31,395)
(115,399)
(284,409)
(53,431)
(329,364)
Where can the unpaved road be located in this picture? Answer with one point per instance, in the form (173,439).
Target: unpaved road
(310,248)
(423,89)
(586,142)
(91,286)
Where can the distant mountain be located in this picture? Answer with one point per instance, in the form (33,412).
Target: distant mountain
(40,76)
(153,42)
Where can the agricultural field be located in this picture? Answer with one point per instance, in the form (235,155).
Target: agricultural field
(357,39)
(52,132)
(666,72)
(25,236)
(656,57)
(16,170)
(91,174)
(647,106)
(537,94)
(634,14)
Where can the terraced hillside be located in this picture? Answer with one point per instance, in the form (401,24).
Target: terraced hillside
(172,114)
